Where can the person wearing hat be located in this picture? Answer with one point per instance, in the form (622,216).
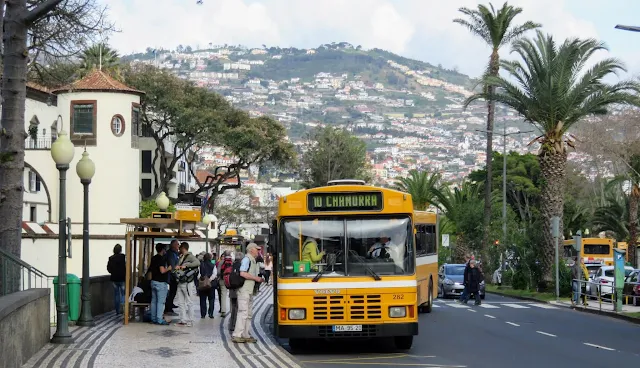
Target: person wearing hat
(249,271)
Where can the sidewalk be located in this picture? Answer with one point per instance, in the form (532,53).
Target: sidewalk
(111,344)
(606,308)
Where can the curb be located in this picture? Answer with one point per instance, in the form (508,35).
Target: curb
(583,310)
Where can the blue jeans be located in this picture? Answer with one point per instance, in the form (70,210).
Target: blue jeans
(118,295)
(159,292)
(576,292)
(464,294)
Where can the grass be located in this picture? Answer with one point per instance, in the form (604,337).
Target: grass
(632,314)
(543,297)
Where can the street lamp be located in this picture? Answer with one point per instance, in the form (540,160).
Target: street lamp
(85,168)
(162,201)
(628,28)
(504,183)
(62,151)
(206,220)
(214,220)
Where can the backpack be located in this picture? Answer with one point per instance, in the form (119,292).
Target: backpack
(232,278)
(187,275)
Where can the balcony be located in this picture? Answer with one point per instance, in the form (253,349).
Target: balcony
(40,143)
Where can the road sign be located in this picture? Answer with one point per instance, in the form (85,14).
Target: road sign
(445,240)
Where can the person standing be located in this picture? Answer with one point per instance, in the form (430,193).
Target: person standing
(249,271)
(226,261)
(207,272)
(233,294)
(159,287)
(465,290)
(186,287)
(117,267)
(579,274)
(172,260)
(268,268)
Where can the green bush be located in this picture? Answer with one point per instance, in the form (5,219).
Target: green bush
(565,279)
(150,206)
(519,280)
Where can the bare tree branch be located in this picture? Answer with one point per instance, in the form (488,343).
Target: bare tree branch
(40,10)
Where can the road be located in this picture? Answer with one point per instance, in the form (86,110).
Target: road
(502,333)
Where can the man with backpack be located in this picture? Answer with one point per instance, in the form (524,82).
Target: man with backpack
(233,293)
(249,272)
(187,272)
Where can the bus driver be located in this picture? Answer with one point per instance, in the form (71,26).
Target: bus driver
(310,251)
(381,248)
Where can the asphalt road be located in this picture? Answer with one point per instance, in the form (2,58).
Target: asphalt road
(504,333)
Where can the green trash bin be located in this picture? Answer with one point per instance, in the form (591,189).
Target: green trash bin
(74,289)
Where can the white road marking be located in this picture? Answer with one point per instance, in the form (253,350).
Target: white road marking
(471,310)
(513,324)
(436,306)
(599,346)
(543,306)
(490,316)
(546,334)
(516,306)
(489,306)
(454,305)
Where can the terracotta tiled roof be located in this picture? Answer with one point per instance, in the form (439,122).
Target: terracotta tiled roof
(38,87)
(97,80)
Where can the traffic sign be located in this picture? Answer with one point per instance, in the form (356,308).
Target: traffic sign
(445,240)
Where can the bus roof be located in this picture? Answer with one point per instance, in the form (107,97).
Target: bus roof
(297,204)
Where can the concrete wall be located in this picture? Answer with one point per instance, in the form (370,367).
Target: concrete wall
(101,295)
(24,326)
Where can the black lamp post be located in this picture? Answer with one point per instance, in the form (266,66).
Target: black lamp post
(62,151)
(85,170)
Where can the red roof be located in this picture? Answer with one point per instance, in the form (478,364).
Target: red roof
(38,87)
(97,80)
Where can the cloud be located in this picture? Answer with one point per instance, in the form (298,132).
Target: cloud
(421,29)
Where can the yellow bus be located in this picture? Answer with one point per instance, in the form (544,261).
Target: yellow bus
(593,250)
(365,285)
(427,244)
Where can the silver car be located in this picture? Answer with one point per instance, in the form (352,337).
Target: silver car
(451,281)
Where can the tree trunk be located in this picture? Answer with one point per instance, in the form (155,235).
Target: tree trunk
(13,135)
(553,168)
(633,225)
(494,68)
(461,249)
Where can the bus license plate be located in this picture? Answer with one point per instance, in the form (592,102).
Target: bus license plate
(347,328)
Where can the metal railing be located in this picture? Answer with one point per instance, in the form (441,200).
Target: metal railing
(603,292)
(40,143)
(17,275)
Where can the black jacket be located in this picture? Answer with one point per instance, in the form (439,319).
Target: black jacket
(117,267)
(472,279)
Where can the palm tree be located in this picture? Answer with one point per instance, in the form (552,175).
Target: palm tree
(99,56)
(496,29)
(462,208)
(553,90)
(423,187)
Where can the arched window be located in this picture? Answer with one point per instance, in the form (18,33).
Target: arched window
(117,125)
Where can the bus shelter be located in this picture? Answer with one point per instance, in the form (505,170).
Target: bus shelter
(140,240)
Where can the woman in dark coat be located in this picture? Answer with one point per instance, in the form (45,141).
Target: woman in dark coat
(472,279)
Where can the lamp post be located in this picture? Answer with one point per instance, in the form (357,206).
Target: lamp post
(214,220)
(162,201)
(85,170)
(62,151)
(207,221)
(504,185)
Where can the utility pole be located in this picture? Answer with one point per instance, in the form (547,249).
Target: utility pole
(504,186)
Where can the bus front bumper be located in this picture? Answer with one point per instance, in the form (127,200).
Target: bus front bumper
(366,331)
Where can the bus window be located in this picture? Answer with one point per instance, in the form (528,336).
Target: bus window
(596,248)
(426,240)
(382,245)
(328,234)
(570,252)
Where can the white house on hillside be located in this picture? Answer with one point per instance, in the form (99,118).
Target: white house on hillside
(100,115)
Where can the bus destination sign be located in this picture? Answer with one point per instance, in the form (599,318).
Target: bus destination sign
(337,202)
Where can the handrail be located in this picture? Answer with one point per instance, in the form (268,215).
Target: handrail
(22,263)
(599,295)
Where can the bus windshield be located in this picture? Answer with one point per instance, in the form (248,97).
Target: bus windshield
(352,246)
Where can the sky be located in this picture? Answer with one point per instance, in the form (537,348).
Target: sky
(420,29)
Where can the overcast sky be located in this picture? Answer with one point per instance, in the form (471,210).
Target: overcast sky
(421,29)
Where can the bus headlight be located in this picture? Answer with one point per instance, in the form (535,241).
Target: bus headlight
(297,314)
(397,312)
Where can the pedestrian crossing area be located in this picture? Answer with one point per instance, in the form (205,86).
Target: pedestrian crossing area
(518,305)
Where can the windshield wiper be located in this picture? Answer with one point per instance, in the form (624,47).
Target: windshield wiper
(366,267)
(319,274)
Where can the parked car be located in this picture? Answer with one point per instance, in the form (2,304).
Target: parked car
(603,279)
(593,269)
(451,281)
(632,288)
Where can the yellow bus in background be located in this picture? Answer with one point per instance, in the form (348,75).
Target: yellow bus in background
(592,251)
(353,291)
(427,244)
